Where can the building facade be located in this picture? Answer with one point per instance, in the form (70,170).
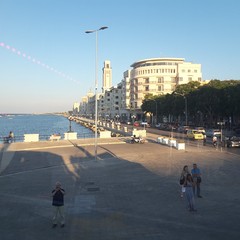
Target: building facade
(149,76)
(160,76)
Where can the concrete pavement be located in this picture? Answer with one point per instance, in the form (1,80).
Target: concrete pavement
(130,192)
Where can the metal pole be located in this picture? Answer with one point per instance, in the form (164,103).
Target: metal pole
(186,114)
(156,113)
(96,86)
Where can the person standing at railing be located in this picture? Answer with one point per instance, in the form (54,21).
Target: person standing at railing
(11,137)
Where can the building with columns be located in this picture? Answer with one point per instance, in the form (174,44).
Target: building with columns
(149,76)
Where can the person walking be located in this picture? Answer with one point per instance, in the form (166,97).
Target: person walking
(189,193)
(196,175)
(214,141)
(58,205)
(204,138)
(183,176)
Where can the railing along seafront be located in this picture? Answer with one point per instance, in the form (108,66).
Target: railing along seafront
(51,137)
(104,129)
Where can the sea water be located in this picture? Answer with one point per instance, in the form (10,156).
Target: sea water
(44,125)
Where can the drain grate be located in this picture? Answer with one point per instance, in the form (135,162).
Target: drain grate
(91,187)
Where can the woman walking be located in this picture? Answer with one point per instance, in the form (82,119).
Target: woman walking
(183,176)
(189,192)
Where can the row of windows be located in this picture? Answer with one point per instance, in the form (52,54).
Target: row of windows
(190,70)
(159,80)
(170,70)
(156,63)
(162,80)
(159,89)
(149,71)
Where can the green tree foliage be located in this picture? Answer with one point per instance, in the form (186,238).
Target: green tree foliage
(215,101)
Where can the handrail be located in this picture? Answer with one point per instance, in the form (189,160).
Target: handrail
(5,139)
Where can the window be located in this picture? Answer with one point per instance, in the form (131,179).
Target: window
(147,88)
(159,88)
(160,80)
(147,80)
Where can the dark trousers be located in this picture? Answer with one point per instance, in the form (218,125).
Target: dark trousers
(196,187)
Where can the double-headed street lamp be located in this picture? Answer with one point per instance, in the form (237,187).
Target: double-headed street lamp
(96,83)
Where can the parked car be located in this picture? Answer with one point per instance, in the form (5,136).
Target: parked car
(213,132)
(118,123)
(136,124)
(233,142)
(183,129)
(146,124)
(195,134)
(200,129)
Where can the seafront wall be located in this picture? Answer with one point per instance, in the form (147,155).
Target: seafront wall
(105,130)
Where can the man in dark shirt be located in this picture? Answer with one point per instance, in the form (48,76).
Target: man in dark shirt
(58,204)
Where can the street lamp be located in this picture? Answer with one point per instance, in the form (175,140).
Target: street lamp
(221,124)
(96,83)
(70,124)
(156,111)
(185,98)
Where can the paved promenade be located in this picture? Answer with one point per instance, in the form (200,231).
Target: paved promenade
(130,193)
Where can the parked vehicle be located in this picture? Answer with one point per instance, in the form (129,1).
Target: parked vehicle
(146,124)
(233,142)
(200,129)
(213,132)
(136,124)
(183,129)
(135,139)
(195,134)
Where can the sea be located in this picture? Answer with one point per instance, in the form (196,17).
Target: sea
(43,124)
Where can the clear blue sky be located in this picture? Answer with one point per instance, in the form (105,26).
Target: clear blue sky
(52,32)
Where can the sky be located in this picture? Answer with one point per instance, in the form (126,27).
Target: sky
(47,61)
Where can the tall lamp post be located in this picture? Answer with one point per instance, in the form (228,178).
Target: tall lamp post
(156,111)
(186,114)
(96,83)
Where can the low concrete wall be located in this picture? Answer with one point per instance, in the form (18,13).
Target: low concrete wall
(105,134)
(70,136)
(139,133)
(31,137)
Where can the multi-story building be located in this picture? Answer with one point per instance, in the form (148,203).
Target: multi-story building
(159,76)
(76,108)
(150,76)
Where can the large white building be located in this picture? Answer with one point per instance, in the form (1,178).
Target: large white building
(150,76)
